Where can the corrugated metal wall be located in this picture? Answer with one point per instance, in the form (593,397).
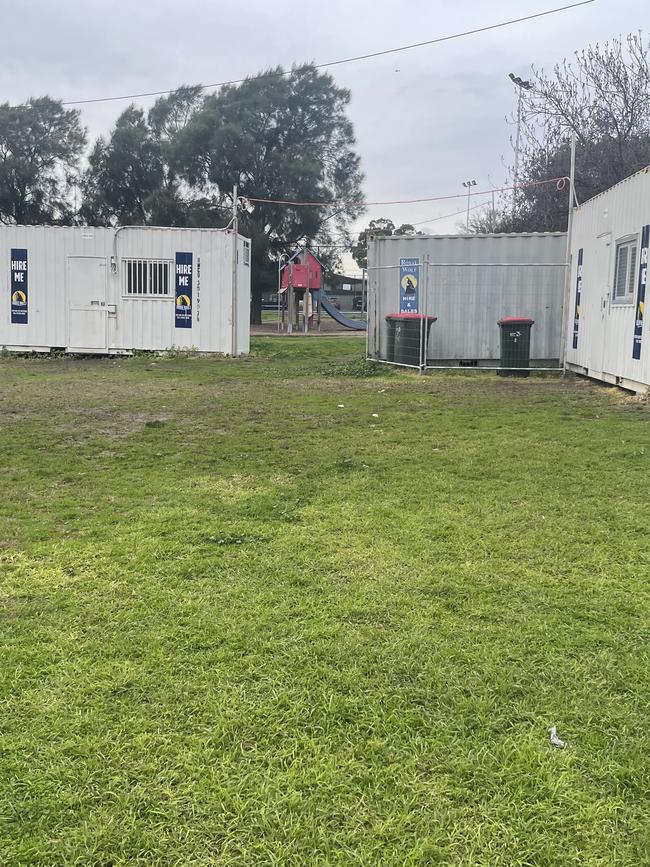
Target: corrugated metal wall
(471,282)
(605,328)
(138,322)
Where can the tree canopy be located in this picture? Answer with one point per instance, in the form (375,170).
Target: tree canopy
(280,136)
(132,176)
(41,143)
(381,226)
(603,96)
(124,173)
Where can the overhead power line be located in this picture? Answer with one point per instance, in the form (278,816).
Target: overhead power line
(354,59)
(560,182)
(418,223)
(454,214)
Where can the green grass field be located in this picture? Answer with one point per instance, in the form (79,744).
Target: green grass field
(281,611)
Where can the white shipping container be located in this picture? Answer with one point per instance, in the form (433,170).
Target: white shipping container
(114,290)
(607,331)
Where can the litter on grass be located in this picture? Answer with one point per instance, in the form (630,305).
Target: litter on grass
(555,740)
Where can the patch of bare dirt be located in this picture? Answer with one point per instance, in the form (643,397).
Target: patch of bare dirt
(110,424)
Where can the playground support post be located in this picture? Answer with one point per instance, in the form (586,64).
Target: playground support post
(305,306)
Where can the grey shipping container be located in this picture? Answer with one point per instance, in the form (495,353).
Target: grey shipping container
(469,282)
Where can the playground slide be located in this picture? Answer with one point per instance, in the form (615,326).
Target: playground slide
(328,307)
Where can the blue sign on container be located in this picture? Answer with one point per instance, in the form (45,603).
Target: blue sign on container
(576,311)
(19,287)
(409,285)
(640,293)
(183,291)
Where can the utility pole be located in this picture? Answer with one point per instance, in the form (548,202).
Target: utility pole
(235,237)
(493,217)
(281,259)
(521,85)
(468,185)
(567,275)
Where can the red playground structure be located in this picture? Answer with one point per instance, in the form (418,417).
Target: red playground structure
(302,293)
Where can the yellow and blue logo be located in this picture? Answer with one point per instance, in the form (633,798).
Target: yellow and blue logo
(409,283)
(183,301)
(19,297)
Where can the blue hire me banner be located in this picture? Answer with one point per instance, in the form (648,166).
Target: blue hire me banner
(576,309)
(183,291)
(19,287)
(640,293)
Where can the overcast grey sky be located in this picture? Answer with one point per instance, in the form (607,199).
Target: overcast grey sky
(425,119)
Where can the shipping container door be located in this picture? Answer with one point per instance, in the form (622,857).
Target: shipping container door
(598,303)
(87,310)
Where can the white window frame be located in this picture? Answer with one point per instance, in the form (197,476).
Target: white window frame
(631,244)
(146,273)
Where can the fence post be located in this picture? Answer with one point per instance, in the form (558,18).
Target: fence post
(424,290)
(371,338)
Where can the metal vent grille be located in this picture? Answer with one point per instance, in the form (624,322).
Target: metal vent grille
(146,277)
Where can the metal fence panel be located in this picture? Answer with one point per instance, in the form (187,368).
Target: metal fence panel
(503,276)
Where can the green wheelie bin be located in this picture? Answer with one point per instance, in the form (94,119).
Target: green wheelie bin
(515,345)
(391,322)
(406,331)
